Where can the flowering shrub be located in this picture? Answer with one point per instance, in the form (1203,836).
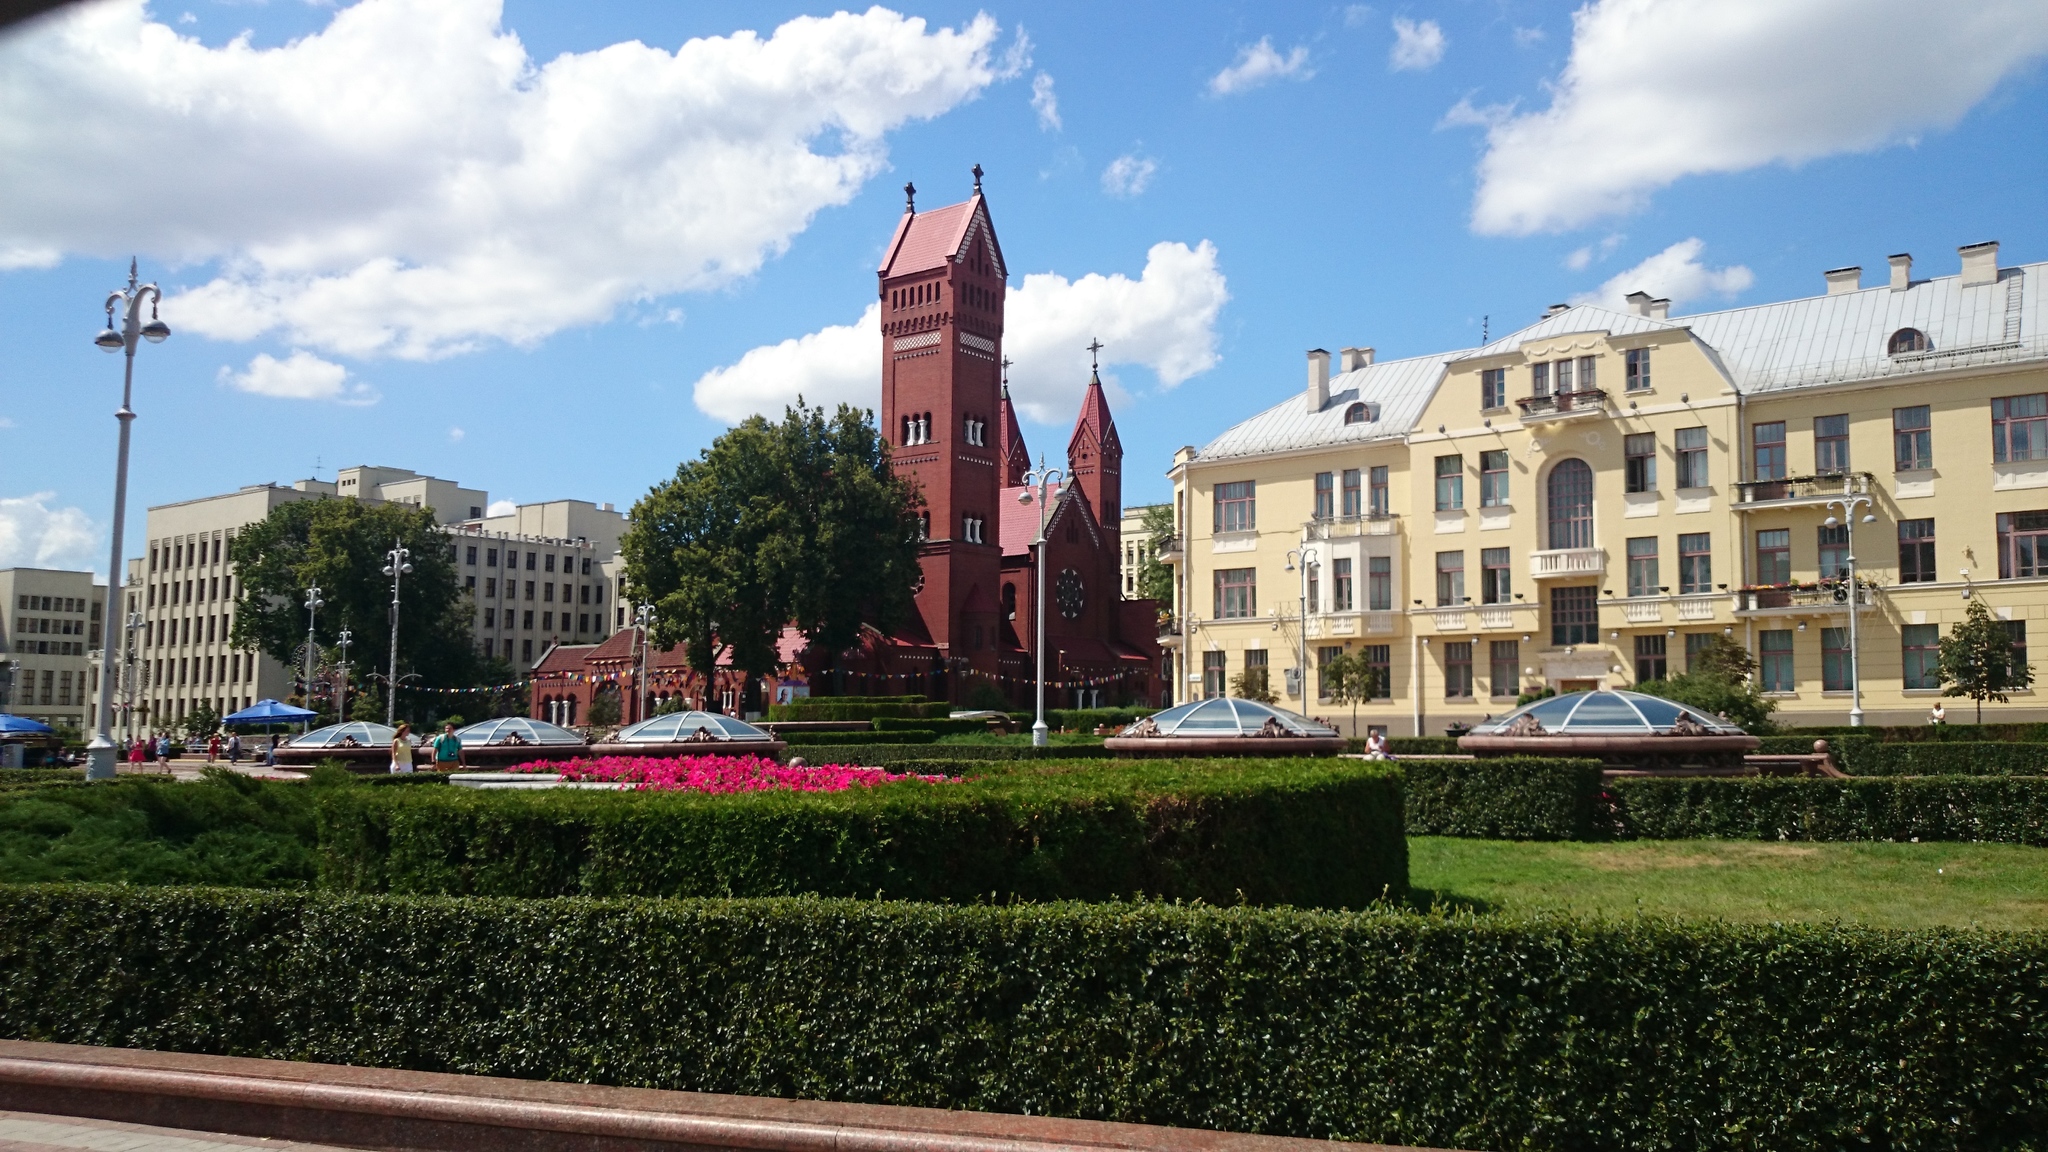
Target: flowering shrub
(719,774)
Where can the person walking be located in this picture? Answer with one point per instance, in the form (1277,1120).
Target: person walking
(270,753)
(447,750)
(163,751)
(234,747)
(213,748)
(401,748)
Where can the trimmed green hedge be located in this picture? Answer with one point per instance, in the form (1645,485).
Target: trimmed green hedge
(1411,745)
(851,739)
(16,778)
(1446,1031)
(849,708)
(1946,759)
(2007,809)
(1843,748)
(1324,834)
(1935,733)
(942,725)
(1509,798)
(225,829)
(889,755)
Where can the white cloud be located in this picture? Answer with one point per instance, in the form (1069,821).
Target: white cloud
(1128,175)
(1356,14)
(1675,273)
(1260,64)
(35,535)
(1581,258)
(501,508)
(408,181)
(1529,37)
(1657,91)
(1165,320)
(1464,114)
(1417,46)
(5,422)
(455,435)
(1045,102)
(300,376)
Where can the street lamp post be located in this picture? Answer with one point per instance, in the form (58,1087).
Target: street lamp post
(643,615)
(313,605)
(1848,503)
(1303,556)
(99,755)
(129,676)
(1047,481)
(342,642)
(396,567)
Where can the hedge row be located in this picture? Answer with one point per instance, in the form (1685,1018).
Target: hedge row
(943,726)
(1447,1031)
(967,755)
(1981,759)
(845,708)
(2007,809)
(1510,798)
(919,735)
(1411,745)
(1934,733)
(1324,834)
(13,778)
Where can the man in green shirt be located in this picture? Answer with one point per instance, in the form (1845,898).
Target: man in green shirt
(447,749)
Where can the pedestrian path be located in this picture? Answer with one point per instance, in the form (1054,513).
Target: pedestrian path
(32,1132)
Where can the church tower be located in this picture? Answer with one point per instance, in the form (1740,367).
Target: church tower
(1095,459)
(942,287)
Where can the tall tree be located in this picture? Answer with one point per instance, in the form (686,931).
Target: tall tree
(1155,579)
(1977,659)
(340,546)
(1719,682)
(800,522)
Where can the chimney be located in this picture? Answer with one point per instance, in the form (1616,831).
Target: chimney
(1902,271)
(1318,379)
(1554,309)
(1980,263)
(1841,280)
(1660,308)
(1638,302)
(1355,358)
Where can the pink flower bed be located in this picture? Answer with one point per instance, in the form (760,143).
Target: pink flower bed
(719,774)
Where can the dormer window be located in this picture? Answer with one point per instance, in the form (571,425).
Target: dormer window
(1906,341)
(1361,413)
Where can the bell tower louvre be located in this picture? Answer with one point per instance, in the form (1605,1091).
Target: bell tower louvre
(942,289)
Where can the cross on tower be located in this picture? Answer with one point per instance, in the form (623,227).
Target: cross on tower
(1006,372)
(909,197)
(977,178)
(1094,347)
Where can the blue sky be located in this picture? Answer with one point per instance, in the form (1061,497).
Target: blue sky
(514,250)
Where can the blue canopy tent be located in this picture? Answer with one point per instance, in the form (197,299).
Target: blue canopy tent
(25,742)
(21,725)
(267,712)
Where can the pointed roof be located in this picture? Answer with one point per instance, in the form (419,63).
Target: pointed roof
(1010,447)
(1095,419)
(927,240)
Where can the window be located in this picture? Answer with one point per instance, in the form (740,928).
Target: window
(1323,657)
(2019,427)
(1450,483)
(1575,615)
(1561,377)
(469,584)
(1767,445)
(525,650)
(1691,444)
(490,557)
(1539,379)
(1912,439)
(1774,556)
(1642,566)
(2022,544)
(1379,671)
(529,586)
(1696,643)
(1636,369)
(1450,578)
(547,621)
(530,558)
(547,592)
(1236,593)
(1586,373)
(1213,669)
(1493,478)
(1775,664)
(1493,388)
(1920,650)
(1830,445)
(1916,551)
(1236,507)
(1378,492)
(1359,413)
(469,556)
(1504,669)
(1495,579)
(1906,341)
(1458,670)
(1834,660)
(1571,505)
(1639,456)
(1255,667)
(2016,631)
(1695,564)
(1351,493)
(1834,552)
(551,562)
(1340,590)
(1326,495)
(526,620)
(1379,583)
(490,618)
(1651,663)
(1311,593)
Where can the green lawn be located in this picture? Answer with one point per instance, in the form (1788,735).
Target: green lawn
(1888,885)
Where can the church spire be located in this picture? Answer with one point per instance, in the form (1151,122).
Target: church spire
(1095,454)
(1016,458)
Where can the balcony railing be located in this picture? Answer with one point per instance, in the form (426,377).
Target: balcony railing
(1583,401)
(1802,489)
(1552,563)
(1821,597)
(1336,527)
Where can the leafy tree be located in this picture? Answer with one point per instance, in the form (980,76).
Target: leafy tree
(1251,684)
(1348,679)
(1155,579)
(800,523)
(604,708)
(201,720)
(1977,659)
(1720,683)
(340,545)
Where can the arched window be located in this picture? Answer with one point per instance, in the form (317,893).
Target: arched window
(1907,340)
(1571,505)
(1355,414)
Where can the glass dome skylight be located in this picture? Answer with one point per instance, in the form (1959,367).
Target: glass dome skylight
(363,733)
(1226,716)
(677,726)
(516,730)
(1606,713)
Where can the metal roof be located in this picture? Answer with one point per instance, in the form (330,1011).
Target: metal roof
(1402,389)
(1579,318)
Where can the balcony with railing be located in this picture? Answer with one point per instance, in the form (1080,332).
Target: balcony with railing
(1801,599)
(1167,550)
(1799,491)
(1562,563)
(1555,406)
(1171,629)
(1346,527)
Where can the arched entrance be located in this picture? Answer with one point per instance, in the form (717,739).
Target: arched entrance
(1569,505)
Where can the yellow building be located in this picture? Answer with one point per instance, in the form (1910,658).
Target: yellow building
(1583,502)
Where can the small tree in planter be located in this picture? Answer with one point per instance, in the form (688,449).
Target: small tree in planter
(1977,659)
(1251,684)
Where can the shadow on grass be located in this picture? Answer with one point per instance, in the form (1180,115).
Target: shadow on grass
(1442,900)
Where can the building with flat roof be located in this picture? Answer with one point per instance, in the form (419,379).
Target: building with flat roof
(49,641)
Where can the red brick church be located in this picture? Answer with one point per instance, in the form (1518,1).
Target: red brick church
(947,416)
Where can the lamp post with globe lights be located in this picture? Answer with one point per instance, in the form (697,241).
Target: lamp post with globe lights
(396,566)
(1047,481)
(1849,503)
(1304,556)
(313,605)
(100,753)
